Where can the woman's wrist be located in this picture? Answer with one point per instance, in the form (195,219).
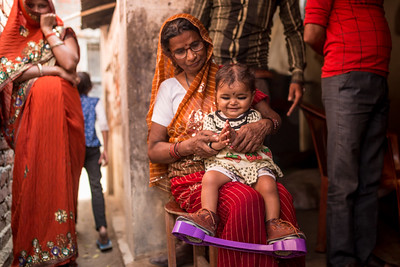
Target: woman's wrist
(268,127)
(174,151)
(53,71)
(48,35)
(47,30)
(275,124)
(183,148)
(40,69)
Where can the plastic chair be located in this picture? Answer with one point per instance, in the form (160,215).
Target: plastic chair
(390,179)
(172,210)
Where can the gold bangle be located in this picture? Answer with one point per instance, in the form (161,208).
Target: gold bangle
(40,69)
(56,44)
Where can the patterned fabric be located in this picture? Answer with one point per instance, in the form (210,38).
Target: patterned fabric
(357,35)
(89,115)
(185,190)
(242,214)
(241,31)
(42,120)
(198,101)
(244,165)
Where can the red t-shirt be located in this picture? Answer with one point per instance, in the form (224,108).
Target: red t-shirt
(357,35)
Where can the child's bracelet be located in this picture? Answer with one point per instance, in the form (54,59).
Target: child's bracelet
(210,145)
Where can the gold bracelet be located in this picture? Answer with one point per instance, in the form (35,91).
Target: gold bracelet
(56,44)
(40,69)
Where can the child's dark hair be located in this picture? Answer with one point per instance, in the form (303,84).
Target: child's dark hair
(85,84)
(229,74)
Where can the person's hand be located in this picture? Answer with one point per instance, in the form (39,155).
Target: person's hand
(47,22)
(103,160)
(71,77)
(225,137)
(199,144)
(295,95)
(228,134)
(250,137)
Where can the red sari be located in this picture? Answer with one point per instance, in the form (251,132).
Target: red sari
(240,207)
(42,121)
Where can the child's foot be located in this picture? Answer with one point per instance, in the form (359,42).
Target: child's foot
(278,230)
(204,219)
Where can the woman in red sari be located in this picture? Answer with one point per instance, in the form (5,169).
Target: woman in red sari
(182,94)
(42,121)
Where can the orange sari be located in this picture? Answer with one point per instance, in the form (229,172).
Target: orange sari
(42,121)
(197,103)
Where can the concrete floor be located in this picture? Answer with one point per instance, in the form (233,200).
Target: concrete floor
(388,247)
(89,254)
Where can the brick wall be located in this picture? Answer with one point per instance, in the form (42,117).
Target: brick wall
(6,166)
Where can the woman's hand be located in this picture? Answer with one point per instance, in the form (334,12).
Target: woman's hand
(199,144)
(34,72)
(159,147)
(250,136)
(47,22)
(71,77)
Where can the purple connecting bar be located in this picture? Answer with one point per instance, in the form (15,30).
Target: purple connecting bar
(282,249)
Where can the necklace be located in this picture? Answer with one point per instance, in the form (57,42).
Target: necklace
(187,80)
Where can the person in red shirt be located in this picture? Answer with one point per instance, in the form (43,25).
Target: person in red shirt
(354,38)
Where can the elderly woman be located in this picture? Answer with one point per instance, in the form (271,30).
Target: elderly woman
(41,119)
(182,94)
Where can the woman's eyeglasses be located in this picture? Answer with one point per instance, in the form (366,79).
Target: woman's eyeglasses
(181,53)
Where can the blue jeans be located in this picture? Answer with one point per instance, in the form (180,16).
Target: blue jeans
(356,106)
(92,167)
